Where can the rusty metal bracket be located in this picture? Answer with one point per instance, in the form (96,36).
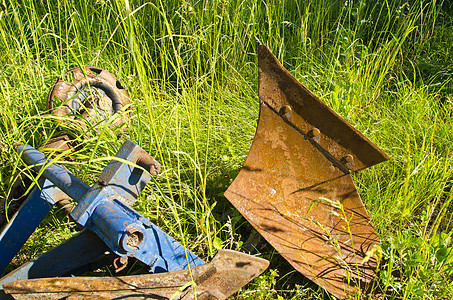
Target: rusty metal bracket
(224,275)
(295,186)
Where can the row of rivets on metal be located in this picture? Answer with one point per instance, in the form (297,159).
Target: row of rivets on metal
(315,134)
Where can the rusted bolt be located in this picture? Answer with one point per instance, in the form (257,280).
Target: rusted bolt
(286,111)
(331,169)
(102,182)
(134,238)
(315,132)
(348,158)
(149,164)
(153,170)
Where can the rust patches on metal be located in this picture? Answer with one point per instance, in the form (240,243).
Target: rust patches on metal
(148,163)
(219,279)
(295,187)
(120,263)
(279,89)
(59,143)
(93,93)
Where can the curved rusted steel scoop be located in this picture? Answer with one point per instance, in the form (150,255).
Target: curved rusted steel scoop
(295,186)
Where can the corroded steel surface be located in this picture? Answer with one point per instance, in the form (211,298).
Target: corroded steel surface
(96,96)
(219,279)
(60,143)
(295,187)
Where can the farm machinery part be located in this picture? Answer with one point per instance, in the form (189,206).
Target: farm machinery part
(82,97)
(92,96)
(114,232)
(296,189)
(87,96)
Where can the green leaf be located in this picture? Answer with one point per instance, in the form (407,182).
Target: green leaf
(442,253)
(218,243)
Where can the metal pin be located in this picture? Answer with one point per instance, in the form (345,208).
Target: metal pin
(314,133)
(348,158)
(134,238)
(286,111)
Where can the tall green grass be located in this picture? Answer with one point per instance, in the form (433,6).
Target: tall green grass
(191,70)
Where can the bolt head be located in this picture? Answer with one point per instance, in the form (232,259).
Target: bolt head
(315,132)
(102,182)
(348,158)
(286,111)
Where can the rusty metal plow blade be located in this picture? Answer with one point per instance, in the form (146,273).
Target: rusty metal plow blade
(295,186)
(219,279)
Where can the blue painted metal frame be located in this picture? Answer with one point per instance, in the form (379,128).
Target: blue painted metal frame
(104,209)
(38,203)
(27,218)
(85,250)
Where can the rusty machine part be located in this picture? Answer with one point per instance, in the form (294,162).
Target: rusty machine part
(89,93)
(224,275)
(114,232)
(94,94)
(295,186)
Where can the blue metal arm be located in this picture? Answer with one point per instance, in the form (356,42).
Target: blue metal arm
(104,208)
(27,218)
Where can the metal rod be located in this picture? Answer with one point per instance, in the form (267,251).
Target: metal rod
(58,175)
(16,232)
